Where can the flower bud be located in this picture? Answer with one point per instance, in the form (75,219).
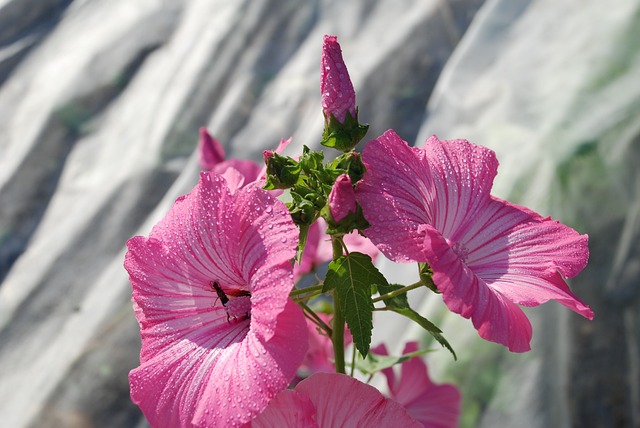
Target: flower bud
(342,199)
(338,95)
(282,171)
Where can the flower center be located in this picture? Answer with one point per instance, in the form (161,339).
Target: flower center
(238,306)
(461,251)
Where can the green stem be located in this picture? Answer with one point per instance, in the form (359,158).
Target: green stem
(305,294)
(353,360)
(316,319)
(305,290)
(338,317)
(399,291)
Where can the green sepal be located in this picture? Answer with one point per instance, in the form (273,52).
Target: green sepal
(302,241)
(352,221)
(426,276)
(282,172)
(311,161)
(343,136)
(349,163)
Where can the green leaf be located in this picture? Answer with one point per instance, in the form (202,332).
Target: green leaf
(400,301)
(351,277)
(374,363)
(302,241)
(400,304)
(426,324)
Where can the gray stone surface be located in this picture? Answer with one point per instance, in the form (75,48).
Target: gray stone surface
(100,104)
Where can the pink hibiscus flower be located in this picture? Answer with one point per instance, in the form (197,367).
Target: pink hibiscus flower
(488,256)
(220,336)
(319,357)
(211,157)
(333,400)
(435,406)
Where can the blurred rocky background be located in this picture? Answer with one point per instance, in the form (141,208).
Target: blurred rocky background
(100,104)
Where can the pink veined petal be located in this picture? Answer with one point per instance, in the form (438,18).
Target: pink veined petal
(463,175)
(339,401)
(496,318)
(210,150)
(435,406)
(190,340)
(395,195)
(523,255)
(338,95)
(288,409)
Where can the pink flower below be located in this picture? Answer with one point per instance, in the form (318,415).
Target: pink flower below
(220,336)
(488,256)
(333,400)
(435,406)
(320,354)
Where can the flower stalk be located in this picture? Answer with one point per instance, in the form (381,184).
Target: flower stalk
(338,317)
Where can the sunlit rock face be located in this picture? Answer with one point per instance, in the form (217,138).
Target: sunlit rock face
(100,106)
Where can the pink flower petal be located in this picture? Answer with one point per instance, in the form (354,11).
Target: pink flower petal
(338,95)
(435,406)
(434,205)
(496,318)
(333,400)
(289,409)
(358,243)
(247,168)
(205,363)
(395,195)
(210,151)
(463,175)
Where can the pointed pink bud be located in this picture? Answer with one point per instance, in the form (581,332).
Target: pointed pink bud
(342,199)
(210,150)
(338,95)
(267,154)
